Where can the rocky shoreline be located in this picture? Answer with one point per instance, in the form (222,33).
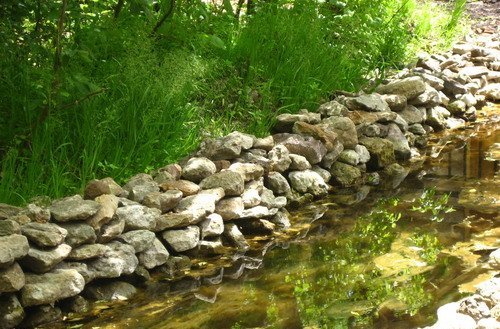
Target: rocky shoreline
(55,257)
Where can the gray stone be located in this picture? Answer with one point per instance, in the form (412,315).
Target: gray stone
(453,87)
(109,204)
(265,143)
(258,212)
(277,183)
(474,71)
(198,168)
(78,234)
(97,187)
(381,151)
(88,251)
(370,102)
(364,154)
(199,205)
(491,92)
(281,220)
(250,197)
(119,260)
(332,156)
(139,239)
(332,108)
(430,97)
(345,130)
(312,149)
(7,211)
(345,175)
(399,142)
(154,256)
(36,213)
(230,208)
(270,201)
(182,239)
(363,117)
(40,261)
(111,230)
(409,87)
(299,162)
(417,129)
(108,291)
(82,268)
(457,108)
(73,208)
(11,278)
(12,247)
(234,235)
(279,158)
(232,182)
(11,311)
(44,234)
(9,227)
(325,174)
(249,171)
(175,220)
(436,118)
(139,186)
(412,115)
(138,217)
(308,181)
(50,287)
(226,148)
(213,225)
(350,157)
(186,187)
(163,201)
(396,102)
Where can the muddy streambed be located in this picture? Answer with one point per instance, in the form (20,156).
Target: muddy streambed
(364,258)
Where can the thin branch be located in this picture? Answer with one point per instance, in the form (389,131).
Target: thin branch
(162,20)
(59,33)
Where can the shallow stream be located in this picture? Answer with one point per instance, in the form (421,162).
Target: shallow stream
(364,258)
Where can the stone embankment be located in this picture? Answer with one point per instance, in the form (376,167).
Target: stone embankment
(56,257)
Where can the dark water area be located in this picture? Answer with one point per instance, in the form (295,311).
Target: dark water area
(364,258)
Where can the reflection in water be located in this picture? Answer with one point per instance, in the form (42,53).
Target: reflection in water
(349,268)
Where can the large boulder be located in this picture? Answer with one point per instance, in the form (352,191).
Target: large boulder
(308,181)
(409,87)
(182,239)
(198,168)
(51,287)
(44,234)
(381,152)
(73,208)
(312,149)
(232,182)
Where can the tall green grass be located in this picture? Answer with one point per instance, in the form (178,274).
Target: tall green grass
(204,74)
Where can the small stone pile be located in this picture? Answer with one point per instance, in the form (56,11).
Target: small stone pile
(479,311)
(233,186)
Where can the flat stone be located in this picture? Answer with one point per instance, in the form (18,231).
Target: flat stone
(139,239)
(44,234)
(78,234)
(308,181)
(80,267)
(175,220)
(369,102)
(154,256)
(182,239)
(232,182)
(285,122)
(88,251)
(279,158)
(50,287)
(97,187)
(7,211)
(186,187)
(213,225)
(230,208)
(474,71)
(409,87)
(73,208)
(198,168)
(9,227)
(138,217)
(40,261)
(11,311)
(12,247)
(11,279)
(359,117)
(200,205)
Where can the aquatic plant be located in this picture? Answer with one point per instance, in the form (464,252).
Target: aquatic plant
(435,205)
